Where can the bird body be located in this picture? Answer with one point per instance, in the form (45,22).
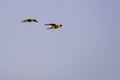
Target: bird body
(54,26)
(30,20)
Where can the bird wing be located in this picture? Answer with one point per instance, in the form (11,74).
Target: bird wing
(30,20)
(35,21)
(53,25)
(27,20)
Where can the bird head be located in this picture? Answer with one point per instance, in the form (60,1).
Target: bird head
(60,25)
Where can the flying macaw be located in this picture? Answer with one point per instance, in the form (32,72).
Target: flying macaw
(30,20)
(54,26)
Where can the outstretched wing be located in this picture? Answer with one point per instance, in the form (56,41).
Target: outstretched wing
(30,20)
(27,20)
(35,21)
(51,24)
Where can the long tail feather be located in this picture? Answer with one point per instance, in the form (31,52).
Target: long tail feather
(49,28)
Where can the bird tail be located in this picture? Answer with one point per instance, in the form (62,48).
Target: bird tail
(24,21)
(47,24)
(49,28)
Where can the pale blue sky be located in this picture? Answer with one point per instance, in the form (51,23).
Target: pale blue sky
(87,47)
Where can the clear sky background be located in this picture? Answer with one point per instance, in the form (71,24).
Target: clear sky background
(87,47)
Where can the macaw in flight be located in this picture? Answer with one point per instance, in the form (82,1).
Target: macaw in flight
(54,26)
(30,20)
